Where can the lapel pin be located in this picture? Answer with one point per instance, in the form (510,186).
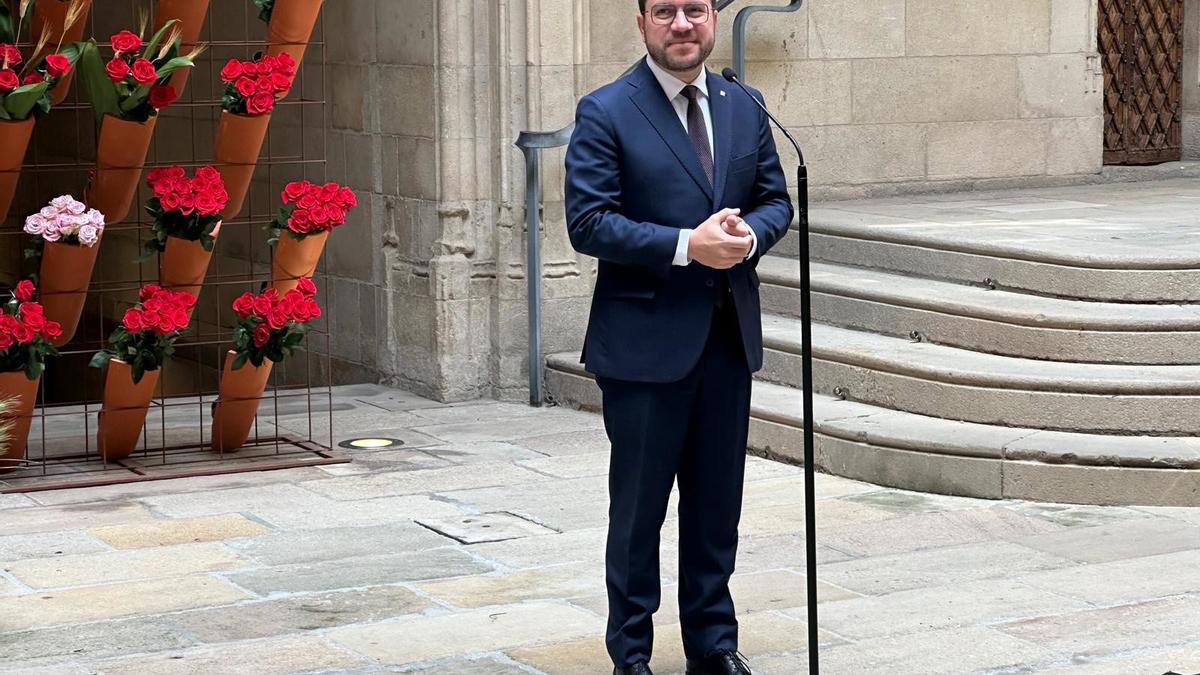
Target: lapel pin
(722,92)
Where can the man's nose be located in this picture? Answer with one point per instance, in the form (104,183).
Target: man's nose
(681,23)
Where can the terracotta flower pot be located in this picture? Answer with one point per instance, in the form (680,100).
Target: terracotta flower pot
(66,273)
(191,15)
(119,159)
(184,265)
(291,27)
(237,404)
(14,139)
(295,259)
(24,392)
(235,153)
(49,17)
(123,413)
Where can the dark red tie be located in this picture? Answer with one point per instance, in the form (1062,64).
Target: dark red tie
(698,131)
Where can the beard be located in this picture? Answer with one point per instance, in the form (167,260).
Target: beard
(680,64)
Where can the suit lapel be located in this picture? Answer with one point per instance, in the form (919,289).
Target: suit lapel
(650,99)
(722,120)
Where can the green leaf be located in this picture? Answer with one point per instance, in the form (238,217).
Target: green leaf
(72,51)
(152,46)
(4,113)
(99,359)
(240,360)
(101,91)
(20,101)
(173,65)
(6,25)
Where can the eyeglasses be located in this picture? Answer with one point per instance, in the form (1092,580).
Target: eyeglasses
(695,12)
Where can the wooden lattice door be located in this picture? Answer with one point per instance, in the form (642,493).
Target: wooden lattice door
(1141,45)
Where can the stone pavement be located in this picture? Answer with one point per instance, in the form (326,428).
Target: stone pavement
(476,548)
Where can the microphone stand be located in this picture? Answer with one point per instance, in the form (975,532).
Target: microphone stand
(810,512)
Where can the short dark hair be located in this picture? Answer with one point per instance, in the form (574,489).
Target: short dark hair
(642,5)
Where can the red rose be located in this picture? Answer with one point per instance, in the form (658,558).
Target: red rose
(207,175)
(263,85)
(306,286)
(23,334)
(33,78)
(187,204)
(206,204)
(232,71)
(262,306)
(58,65)
(144,72)
(265,66)
(133,320)
(285,64)
(293,191)
(169,201)
(277,318)
(300,223)
(8,81)
(11,55)
(117,70)
(314,310)
(309,201)
(162,95)
(279,82)
(35,320)
(244,305)
(346,199)
(24,291)
(32,309)
(52,330)
(149,291)
(260,103)
(245,87)
(125,42)
(262,335)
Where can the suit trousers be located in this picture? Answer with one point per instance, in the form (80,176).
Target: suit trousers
(693,431)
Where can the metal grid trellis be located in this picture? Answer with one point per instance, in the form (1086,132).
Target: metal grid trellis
(294,425)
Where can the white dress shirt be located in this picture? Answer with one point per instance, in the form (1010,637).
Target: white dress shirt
(673,88)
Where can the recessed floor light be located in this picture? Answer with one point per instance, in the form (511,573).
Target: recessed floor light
(371,443)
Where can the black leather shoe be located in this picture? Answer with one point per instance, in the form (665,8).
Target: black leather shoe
(639,668)
(718,663)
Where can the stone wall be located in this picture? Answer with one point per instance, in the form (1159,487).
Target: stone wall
(428,97)
(1191,80)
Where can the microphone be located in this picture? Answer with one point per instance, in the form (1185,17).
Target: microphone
(806,387)
(731,75)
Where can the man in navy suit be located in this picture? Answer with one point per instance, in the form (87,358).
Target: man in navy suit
(674,184)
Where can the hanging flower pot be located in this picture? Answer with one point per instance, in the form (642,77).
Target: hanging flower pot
(237,403)
(299,232)
(71,239)
(14,139)
(238,144)
(191,15)
(61,22)
(270,327)
(184,265)
(25,335)
(187,219)
(135,355)
(123,412)
(126,92)
(21,394)
(119,159)
(289,25)
(296,258)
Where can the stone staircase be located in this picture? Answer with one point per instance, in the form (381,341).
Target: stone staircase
(1054,361)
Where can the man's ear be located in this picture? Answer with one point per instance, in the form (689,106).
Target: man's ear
(641,22)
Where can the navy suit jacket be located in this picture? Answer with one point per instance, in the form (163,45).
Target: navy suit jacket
(633,180)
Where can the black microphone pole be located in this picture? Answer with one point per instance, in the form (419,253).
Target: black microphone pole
(806,394)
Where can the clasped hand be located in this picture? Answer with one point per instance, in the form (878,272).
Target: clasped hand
(720,242)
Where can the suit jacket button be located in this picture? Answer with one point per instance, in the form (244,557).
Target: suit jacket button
(709,283)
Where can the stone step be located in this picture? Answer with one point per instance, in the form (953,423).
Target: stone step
(1087,273)
(929,454)
(986,320)
(956,384)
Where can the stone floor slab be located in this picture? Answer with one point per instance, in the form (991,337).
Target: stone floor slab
(394,484)
(359,572)
(484,527)
(1122,581)
(498,628)
(72,517)
(543,583)
(113,566)
(48,544)
(1184,659)
(1106,543)
(1157,623)
(93,641)
(336,543)
(941,652)
(270,657)
(930,530)
(308,612)
(179,531)
(111,601)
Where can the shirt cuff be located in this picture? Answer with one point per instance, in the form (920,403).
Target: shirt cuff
(681,248)
(753,243)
